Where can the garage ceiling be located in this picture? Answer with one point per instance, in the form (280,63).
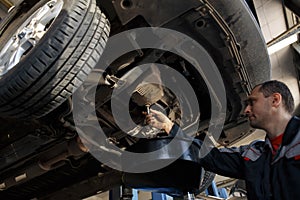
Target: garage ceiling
(275,19)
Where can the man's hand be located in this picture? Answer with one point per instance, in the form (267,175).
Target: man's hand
(159,120)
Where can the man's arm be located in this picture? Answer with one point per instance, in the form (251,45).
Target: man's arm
(226,161)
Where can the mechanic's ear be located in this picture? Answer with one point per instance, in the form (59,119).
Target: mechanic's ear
(277,100)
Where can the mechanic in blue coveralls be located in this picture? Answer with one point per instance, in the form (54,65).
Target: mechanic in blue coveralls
(271,168)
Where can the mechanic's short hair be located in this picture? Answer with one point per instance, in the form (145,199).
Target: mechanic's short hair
(270,87)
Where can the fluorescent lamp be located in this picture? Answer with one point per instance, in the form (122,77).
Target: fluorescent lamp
(283,43)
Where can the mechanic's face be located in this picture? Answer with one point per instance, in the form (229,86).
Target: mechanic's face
(258,109)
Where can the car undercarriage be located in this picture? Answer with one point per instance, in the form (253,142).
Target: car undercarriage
(56,51)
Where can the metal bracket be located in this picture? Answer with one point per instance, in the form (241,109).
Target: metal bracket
(155,12)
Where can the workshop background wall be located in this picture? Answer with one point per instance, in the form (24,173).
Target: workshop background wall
(273,22)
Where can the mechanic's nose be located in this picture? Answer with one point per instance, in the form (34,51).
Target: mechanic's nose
(247,110)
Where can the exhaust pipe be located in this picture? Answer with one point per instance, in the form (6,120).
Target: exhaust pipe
(72,148)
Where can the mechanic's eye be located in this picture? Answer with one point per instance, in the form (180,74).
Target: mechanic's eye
(248,102)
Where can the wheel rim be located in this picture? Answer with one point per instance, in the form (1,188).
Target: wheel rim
(28,35)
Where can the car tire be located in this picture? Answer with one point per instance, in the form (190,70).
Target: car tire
(48,72)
